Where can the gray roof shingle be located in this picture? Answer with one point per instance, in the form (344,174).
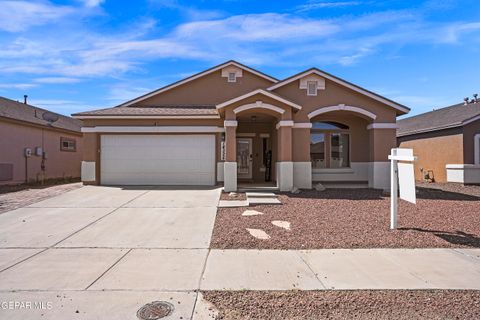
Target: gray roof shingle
(182,110)
(449,117)
(24,112)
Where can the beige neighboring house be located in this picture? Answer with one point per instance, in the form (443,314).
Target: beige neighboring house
(446,142)
(37,144)
(232,124)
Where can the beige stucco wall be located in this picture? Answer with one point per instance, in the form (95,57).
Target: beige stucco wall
(434,151)
(209,89)
(59,164)
(333,95)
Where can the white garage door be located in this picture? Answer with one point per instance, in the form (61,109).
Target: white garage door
(158,159)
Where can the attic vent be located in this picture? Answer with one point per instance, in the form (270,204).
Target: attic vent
(232,77)
(311,88)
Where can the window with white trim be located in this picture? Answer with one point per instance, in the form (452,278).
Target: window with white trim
(232,77)
(329,145)
(312,88)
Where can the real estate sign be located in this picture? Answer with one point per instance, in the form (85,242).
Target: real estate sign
(401,177)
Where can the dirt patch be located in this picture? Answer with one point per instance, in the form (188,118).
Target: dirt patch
(357,218)
(381,304)
(14,197)
(239,196)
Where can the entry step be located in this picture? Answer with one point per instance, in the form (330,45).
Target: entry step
(256,201)
(261,195)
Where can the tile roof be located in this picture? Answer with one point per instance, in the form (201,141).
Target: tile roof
(181,110)
(24,112)
(449,117)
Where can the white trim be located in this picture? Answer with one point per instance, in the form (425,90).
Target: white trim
(264,135)
(345,84)
(302,125)
(258,91)
(146,117)
(462,166)
(258,105)
(246,134)
(342,107)
(379,125)
(199,75)
(285,123)
(471,120)
(154,129)
(476,143)
(230,123)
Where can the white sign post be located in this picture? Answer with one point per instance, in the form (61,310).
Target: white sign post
(401,175)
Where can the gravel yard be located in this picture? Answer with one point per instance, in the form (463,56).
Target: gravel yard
(234,196)
(444,216)
(13,197)
(392,304)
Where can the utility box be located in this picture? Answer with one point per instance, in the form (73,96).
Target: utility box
(38,151)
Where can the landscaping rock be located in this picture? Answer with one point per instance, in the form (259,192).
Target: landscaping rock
(295,190)
(233,194)
(281,224)
(320,187)
(248,213)
(258,233)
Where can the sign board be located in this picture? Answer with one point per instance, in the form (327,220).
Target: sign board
(401,177)
(406,175)
(406,182)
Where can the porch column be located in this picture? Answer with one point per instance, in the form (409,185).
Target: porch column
(284,165)
(382,140)
(230,165)
(302,165)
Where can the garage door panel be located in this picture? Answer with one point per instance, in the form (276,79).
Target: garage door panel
(158,159)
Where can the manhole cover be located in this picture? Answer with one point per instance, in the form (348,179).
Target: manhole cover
(155,310)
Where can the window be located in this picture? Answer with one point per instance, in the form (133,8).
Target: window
(232,77)
(311,88)
(67,144)
(332,139)
(317,150)
(339,150)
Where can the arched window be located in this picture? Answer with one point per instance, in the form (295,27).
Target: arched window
(329,145)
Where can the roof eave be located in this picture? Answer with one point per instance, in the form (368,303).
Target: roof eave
(258,91)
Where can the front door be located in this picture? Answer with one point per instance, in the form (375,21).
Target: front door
(244,158)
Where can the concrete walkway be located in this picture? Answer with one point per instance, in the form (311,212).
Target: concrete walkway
(102,253)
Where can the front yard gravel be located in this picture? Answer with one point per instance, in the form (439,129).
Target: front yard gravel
(360,304)
(13,197)
(444,216)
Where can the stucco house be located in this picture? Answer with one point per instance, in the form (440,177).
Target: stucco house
(446,142)
(234,124)
(37,144)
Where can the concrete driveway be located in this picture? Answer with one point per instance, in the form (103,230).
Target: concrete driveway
(90,249)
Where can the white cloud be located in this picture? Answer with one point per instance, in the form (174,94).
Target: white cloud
(20,86)
(63,80)
(93,3)
(20,15)
(314,5)
(268,38)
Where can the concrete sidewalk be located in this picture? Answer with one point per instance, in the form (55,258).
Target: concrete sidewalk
(114,283)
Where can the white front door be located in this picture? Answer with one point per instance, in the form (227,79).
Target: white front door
(244,158)
(157,159)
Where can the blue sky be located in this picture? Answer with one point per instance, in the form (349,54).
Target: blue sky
(71,56)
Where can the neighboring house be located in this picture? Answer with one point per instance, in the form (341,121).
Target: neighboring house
(37,144)
(446,142)
(234,124)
